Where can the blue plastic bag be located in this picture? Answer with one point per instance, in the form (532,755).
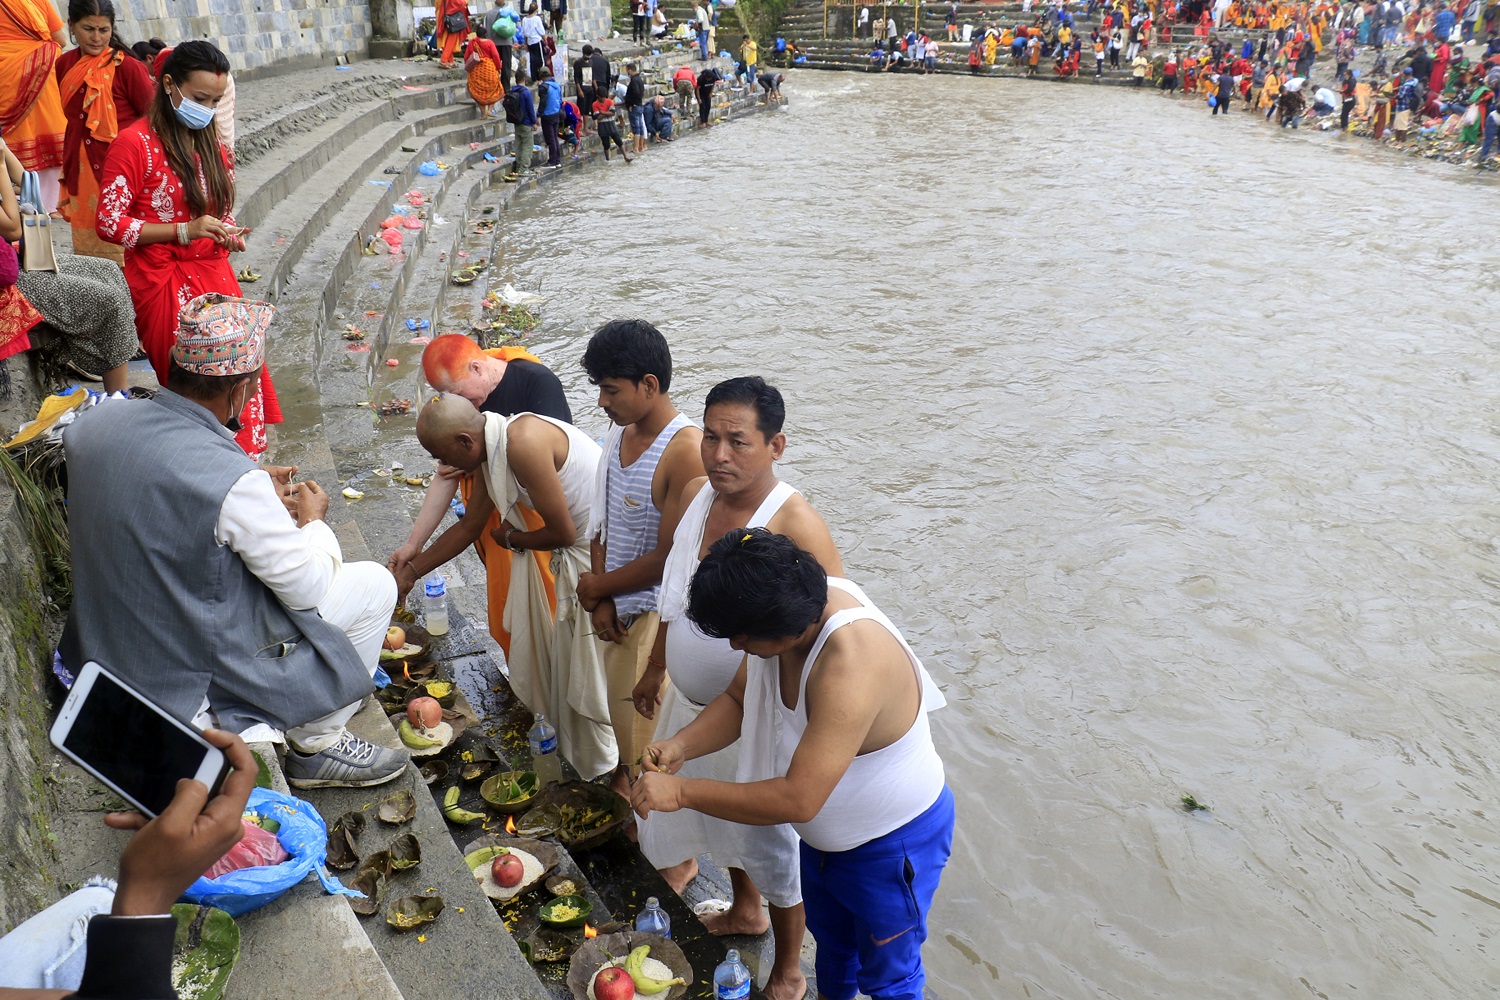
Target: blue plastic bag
(305,837)
(429,168)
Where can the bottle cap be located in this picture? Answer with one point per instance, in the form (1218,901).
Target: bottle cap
(651,902)
(733,956)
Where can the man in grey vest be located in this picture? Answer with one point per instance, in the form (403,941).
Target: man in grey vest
(197,578)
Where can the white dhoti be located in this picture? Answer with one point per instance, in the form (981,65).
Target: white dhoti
(554,662)
(703,667)
(768,854)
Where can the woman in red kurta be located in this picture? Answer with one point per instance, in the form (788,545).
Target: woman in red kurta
(104,88)
(167,194)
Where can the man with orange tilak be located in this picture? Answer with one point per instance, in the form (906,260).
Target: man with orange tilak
(507,381)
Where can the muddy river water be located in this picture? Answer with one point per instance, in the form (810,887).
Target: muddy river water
(1171,441)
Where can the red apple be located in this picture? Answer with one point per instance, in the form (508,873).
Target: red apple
(613,983)
(395,637)
(424,713)
(508,871)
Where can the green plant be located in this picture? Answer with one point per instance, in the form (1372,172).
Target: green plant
(34,475)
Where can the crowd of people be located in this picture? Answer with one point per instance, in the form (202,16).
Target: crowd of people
(528,91)
(1433,68)
(680,613)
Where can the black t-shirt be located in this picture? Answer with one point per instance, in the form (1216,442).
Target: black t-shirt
(635,92)
(708,78)
(600,65)
(528,388)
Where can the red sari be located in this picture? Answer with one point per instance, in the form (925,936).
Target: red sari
(138,186)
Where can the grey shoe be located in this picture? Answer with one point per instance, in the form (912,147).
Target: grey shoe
(349,763)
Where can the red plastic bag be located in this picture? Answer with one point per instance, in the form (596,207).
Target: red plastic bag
(258,847)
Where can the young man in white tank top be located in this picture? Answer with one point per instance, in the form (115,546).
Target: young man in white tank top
(833,699)
(742,441)
(650,456)
(544,466)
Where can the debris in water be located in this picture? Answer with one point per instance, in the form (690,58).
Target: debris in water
(352,332)
(1190,804)
(391,362)
(350,493)
(394,408)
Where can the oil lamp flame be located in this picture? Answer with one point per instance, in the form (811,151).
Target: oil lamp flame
(510,825)
(589,932)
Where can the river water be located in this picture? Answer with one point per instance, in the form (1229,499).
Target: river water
(1172,447)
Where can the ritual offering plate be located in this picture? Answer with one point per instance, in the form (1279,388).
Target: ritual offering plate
(423,742)
(510,791)
(581,814)
(204,952)
(565,911)
(656,966)
(537,860)
(415,642)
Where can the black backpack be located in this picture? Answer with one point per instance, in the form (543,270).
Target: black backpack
(512,105)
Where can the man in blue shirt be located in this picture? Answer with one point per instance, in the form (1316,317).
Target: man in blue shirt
(520,111)
(549,110)
(1442,24)
(1405,103)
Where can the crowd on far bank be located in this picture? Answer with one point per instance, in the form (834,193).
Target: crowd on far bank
(1400,69)
(517,59)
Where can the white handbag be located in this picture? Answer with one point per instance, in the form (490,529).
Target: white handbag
(37,253)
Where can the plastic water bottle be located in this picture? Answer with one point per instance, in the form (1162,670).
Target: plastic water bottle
(731,978)
(544,759)
(653,919)
(457,506)
(435,607)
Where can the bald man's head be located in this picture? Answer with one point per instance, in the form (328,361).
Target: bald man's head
(452,431)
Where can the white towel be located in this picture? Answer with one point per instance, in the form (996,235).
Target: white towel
(599,505)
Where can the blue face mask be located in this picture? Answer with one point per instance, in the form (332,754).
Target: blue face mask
(193,114)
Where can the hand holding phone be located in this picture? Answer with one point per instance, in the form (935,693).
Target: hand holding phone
(171,851)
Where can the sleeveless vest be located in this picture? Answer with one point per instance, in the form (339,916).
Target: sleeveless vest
(156,598)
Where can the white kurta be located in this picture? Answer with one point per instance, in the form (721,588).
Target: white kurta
(703,668)
(554,662)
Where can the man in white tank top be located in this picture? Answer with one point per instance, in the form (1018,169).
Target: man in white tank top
(832,700)
(547,466)
(742,441)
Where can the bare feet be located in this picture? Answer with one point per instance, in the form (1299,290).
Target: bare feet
(792,986)
(733,921)
(678,876)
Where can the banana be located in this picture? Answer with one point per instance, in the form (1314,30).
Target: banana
(412,738)
(644,984)
(453,813)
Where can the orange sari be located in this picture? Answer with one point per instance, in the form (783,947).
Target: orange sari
(495,557)
(79,204)
(30,109)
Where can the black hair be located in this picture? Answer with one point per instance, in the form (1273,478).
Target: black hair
(191,150)
(200,388)
(756,393)
(80,9)
(628,348)
(759,585)
(588,50)
(480,31)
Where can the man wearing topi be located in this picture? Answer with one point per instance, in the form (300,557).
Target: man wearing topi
(833,700)
(213,585)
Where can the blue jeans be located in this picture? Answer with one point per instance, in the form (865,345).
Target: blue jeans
(1491,133)
(702,44)
(867,907)
(638,120)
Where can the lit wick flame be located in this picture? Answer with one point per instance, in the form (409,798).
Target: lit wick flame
(510,825)
(406,669)
(589,932)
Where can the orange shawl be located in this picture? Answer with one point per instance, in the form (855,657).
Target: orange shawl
(97,77)
(27,49)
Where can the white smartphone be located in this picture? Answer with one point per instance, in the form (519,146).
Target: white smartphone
(120,737)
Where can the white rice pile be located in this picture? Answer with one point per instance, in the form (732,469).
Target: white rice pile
(531,871)
(650,966)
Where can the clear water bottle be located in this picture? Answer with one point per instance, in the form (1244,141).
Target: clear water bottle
(544,759)
(653,919)
(731,978)
(435,606)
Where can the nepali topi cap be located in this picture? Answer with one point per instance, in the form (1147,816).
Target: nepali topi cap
(222,335)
